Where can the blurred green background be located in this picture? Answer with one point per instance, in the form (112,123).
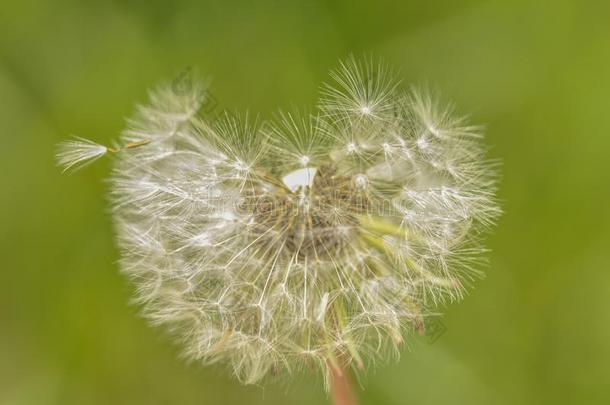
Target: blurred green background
(537,74)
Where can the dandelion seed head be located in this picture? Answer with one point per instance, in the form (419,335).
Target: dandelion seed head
(312,239)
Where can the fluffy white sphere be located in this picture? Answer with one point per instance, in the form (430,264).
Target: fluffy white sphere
(309,240)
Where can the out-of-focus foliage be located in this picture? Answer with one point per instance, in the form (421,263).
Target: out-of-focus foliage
(536,330)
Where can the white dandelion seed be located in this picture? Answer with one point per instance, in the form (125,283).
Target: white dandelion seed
(77,153)
(312,240)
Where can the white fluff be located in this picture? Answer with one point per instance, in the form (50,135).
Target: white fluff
(309,240)
(76,153)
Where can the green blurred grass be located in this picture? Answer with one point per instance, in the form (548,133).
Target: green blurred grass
(536,330)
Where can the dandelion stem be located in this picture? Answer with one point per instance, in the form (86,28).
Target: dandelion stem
(341,387)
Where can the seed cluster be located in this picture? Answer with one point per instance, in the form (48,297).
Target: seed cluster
(311,240)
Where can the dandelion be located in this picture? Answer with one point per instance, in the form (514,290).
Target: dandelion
(315,240)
